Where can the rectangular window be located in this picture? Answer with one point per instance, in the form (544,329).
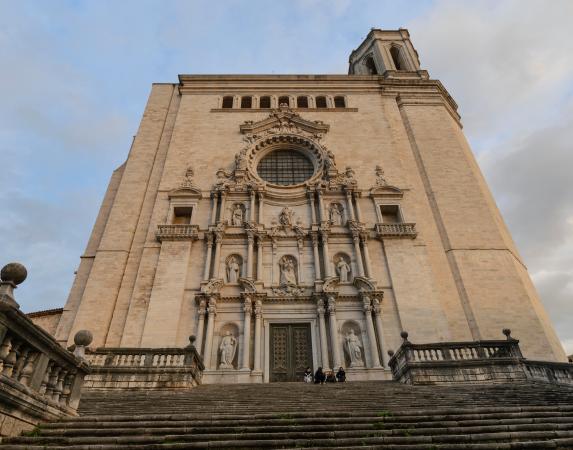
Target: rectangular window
(265,102)
(246,102)
(321,102)
(302,102)
(339,102)
(182,215)
(390,214)
(227,102)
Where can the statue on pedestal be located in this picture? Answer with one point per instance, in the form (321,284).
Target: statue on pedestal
(227,348)
(354,349)
(237,217)
(233,270)
(343,270)
(288,270)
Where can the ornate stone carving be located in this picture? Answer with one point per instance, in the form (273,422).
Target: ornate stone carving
(354,349)
(227,348)
(288,268)
(287,290)
(248,285)
(212,286)
(233,269)
(237,214)
(286,216)
(335,212)
(380,179)
(331,285)
(343,269)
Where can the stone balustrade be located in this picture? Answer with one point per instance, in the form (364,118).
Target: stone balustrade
(144,368)
(396,230)
(177,232)
(491,361)
(39,380)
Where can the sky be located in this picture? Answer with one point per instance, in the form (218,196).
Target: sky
(75,76)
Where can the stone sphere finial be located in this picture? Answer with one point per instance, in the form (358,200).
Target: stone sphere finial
(390,353)
(507,333)
(404,335)
(83,338)
(14,272)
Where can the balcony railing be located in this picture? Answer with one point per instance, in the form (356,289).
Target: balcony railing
(396,230)
(176,232)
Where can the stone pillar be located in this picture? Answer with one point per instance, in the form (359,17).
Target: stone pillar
(222,211)
(368,266)
(325,254)
(274,246)
(259,258)
(212,310)
(251,241)
(358,253)
(300,246)
(337,362)
(200,325)
(317,274)
(377,309)
(248,309)
(322,328)
(358,210)
(371,336)
(252,207)
(218,242)
(214,199)
(321,215)
(258,343)
(349,205)
(312,208)
(207,270)
(261,207)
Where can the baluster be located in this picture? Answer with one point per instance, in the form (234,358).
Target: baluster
(46,380)
(66,391)
(52,379)
(28,368)
(21,358)
(10,360)
(59,386)
(5,350)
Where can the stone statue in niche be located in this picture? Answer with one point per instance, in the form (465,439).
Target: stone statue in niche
(227,348)
(288,271)
(335,212)
(286,216)
(354,349)
(237,216)
(233,270)
(343,269)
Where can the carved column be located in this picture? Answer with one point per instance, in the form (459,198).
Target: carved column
(214,198)
(371,336)
(322,328)
(218,242)
(200,325)
(317,274)
(358,210)
(258,343)
(252,206)
(368,266)
(337,362)
(212,309)
(300,244)
(377,309)
(251,241)
(261,207)
(325,254)
(358,253)
(259,258)
(207,270)
(349,205)
(273,262)
(248,309)
(321,214)
(222,209)
(312,208)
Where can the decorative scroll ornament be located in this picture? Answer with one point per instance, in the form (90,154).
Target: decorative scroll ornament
(248,285)
(212,287)
(331,285)
(287,290)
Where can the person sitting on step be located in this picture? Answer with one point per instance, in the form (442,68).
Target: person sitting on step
(307,375)
(341,375)
(330,378)
(319,376)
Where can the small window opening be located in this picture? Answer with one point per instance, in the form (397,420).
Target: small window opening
(370,66)
(247,102)
(182,215)
(302,101)
(390,214)
(265,102)
(227,102)
(339,102)
(284,100)
(395,52)
(321,102)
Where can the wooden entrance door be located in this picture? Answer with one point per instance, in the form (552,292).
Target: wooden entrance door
(291,351)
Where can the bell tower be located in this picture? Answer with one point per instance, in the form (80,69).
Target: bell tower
(383,52)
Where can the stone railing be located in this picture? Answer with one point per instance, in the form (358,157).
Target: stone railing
(39,380)
(492,361)
(176,232)
(144,368)
(396,230)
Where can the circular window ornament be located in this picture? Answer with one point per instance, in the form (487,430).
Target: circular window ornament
(285,167)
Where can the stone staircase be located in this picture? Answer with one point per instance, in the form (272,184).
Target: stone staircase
(355,415)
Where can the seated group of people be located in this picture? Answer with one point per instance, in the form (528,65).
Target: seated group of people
(321,377)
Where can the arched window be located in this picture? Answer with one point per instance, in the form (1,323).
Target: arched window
(395,53)
(321,102)
(302,101)
(228,101)
(339,102)
(247,102)
(370,66)
(285,167)
(265,102)
(284,100)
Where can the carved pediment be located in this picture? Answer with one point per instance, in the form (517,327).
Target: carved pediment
(248,285)
(187,187)
(284,120)
(331,285)
(364,284)
(212,287)
(386,191)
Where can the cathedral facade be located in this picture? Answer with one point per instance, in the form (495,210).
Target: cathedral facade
(294,221)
